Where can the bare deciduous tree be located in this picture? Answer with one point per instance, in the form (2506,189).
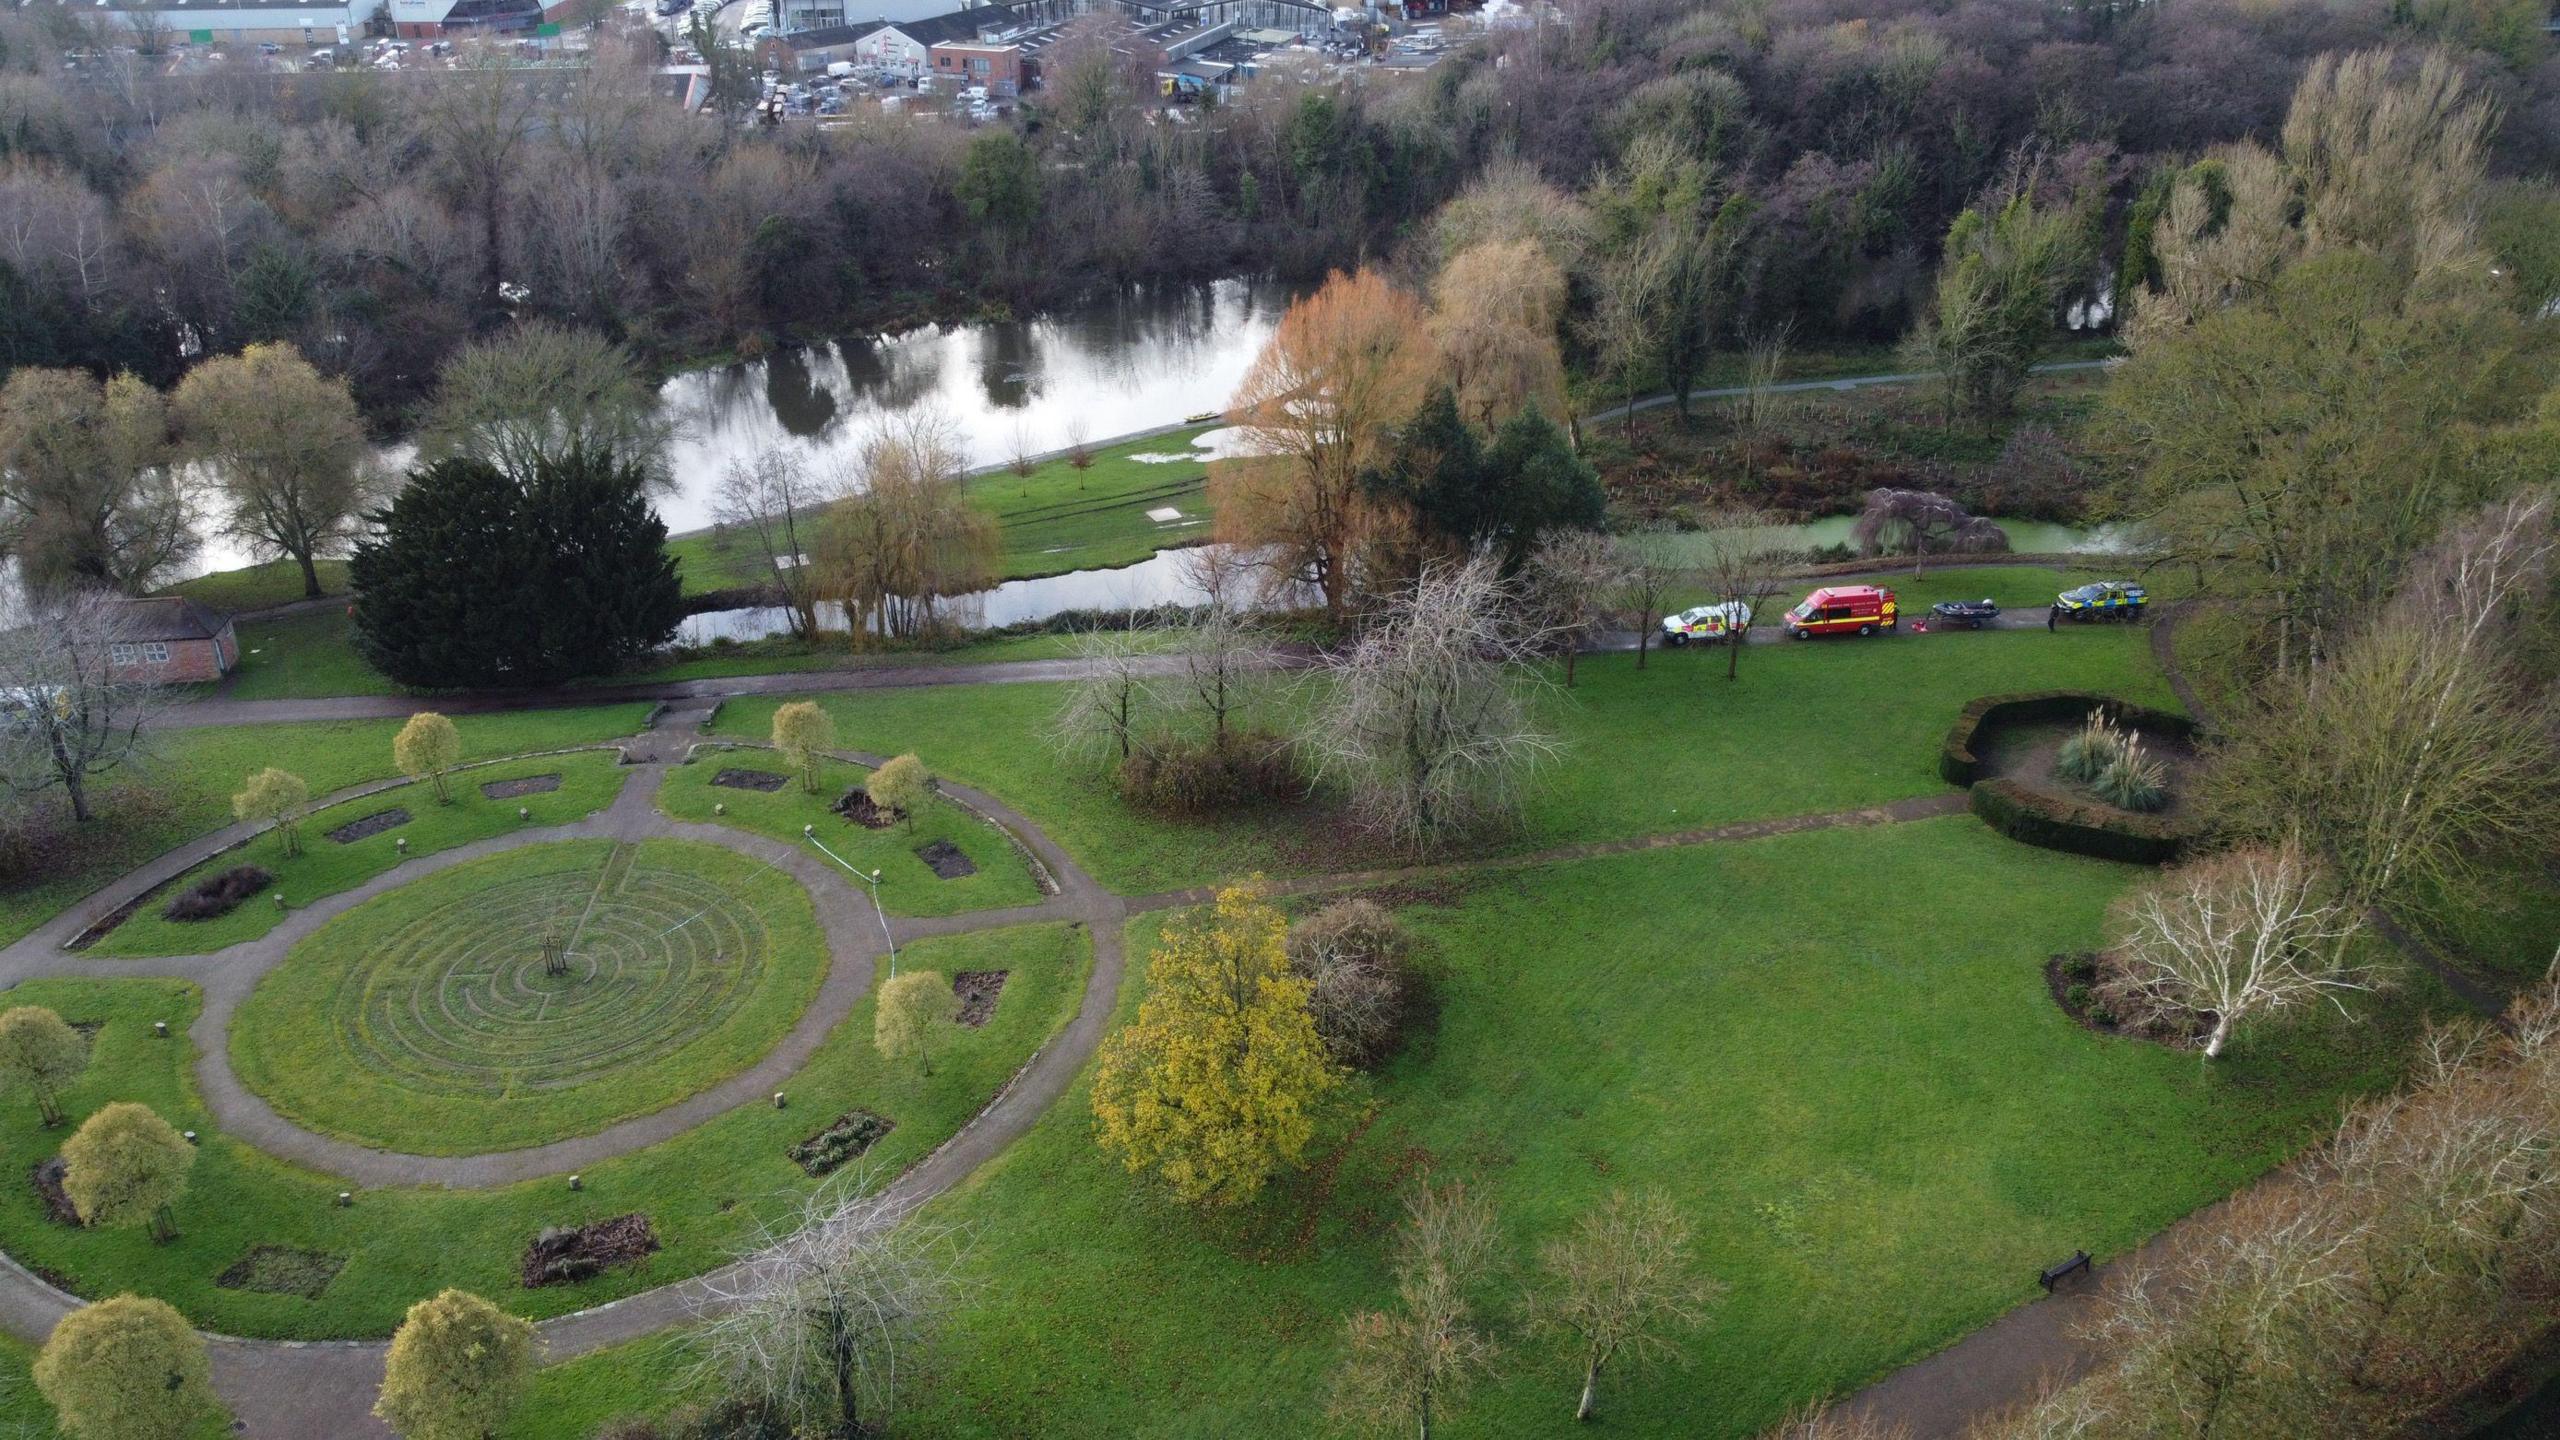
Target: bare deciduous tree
(1431,716)
(2236,936)
(1409,1364)
(1643,585)
(774,502)
(75,706)
(1744,558)
(1115,689)
(1224,663)
(1620,1286)
(821,1312)
(1570,575)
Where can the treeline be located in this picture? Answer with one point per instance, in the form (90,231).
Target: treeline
(379,221)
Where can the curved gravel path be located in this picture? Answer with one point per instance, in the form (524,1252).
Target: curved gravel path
(324,1390)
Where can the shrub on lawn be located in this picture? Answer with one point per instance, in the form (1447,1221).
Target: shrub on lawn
(218,894)
(2087,754)
(1190,780)
(2133,780)
(1352,956)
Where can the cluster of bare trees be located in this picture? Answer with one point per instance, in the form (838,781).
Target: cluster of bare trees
(1615,1295)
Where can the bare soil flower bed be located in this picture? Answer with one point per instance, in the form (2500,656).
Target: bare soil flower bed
(371,825)
(764,780)
(564,1255)
(217,894)
(521,785)
(946,860)
(46,1176)
(2077,983)
(852,1132)
(856,807)
(978,990)
(282,1270)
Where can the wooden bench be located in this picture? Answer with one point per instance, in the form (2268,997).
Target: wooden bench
(2055,1273)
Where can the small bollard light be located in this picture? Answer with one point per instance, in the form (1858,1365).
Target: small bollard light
(808,829)
(401,844)
(346,1199)
(524,812)
(577,1182)
(719,807)
(279,897)
(778,1100)
(191,1137)
(160,1028)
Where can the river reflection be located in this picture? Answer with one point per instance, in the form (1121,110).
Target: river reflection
(1131,362)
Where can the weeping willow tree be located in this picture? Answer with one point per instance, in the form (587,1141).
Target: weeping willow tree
(906,539)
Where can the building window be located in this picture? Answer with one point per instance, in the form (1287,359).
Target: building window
(122,654)
(977,67)
(155,652)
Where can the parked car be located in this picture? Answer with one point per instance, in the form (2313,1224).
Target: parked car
(1707,624)
(2104,600)
(269,47)
(1844,609)
(1970,614)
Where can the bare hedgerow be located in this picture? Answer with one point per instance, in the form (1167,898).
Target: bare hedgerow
(1352,953)
(1431,722)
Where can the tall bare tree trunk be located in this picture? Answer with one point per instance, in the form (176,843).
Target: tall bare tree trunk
(1590,1392)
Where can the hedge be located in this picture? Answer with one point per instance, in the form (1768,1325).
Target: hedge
(1958,763)
(2083,828)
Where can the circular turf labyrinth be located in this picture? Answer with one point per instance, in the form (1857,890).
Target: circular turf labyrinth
(463,999)
(431,1018)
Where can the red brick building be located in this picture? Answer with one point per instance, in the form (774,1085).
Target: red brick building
(174,640)
(967,62)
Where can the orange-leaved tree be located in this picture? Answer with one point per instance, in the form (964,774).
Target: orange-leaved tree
(1319,407)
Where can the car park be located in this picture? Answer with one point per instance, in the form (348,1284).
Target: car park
(2102,600)
(1707,624)
(1967,614)
(1844,610)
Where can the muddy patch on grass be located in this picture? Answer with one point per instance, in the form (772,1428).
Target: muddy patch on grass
(46,1176)
(565,1254)
(762,780)
(283,1270)
(978,990)
(371,825)
(852,1133)
(521,785)
(946,860)
(855,805)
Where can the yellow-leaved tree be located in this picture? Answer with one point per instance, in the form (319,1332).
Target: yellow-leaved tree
(1215,1087)
(428,747)
(803,734)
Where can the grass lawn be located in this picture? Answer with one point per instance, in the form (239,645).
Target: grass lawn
(1835,1051)
(2511,938)
(701,1190)
(297,656)
(1810,727)
(908,886)
(588,783)
(425,1019)
(185,790)
(1059,518)
(256,587)
(1054,520)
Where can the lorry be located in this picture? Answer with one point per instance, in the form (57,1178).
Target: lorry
(1844,609)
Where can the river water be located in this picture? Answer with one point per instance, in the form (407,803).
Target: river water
(1131,362)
